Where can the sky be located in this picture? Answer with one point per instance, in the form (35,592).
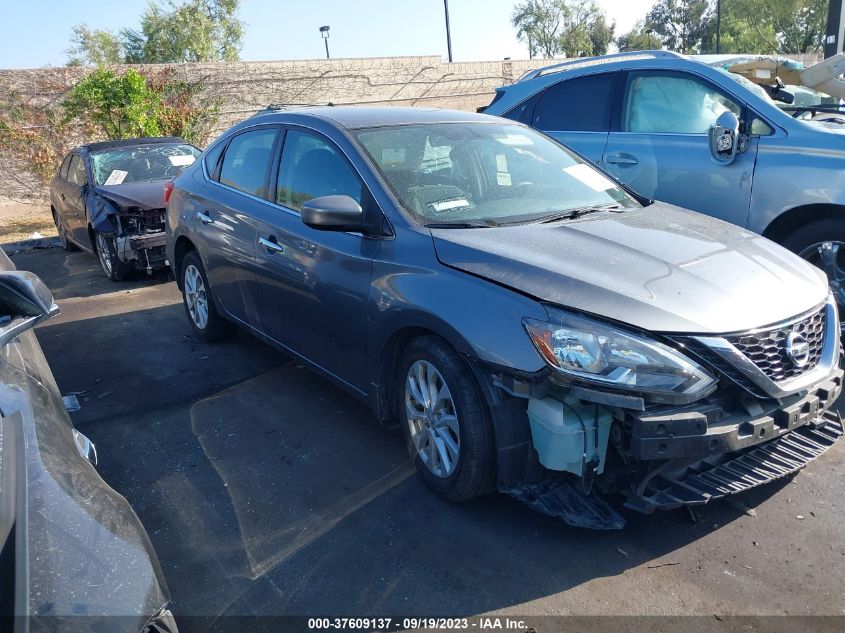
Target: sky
(37,33)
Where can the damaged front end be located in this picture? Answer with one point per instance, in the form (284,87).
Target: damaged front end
(137,229)
(663,423)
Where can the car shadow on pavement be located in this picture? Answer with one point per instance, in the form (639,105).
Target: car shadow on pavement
(77,274)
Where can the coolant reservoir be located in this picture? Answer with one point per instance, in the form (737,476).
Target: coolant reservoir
(558,431)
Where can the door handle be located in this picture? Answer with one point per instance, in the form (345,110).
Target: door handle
(271,245)
(203,217)
(621,159)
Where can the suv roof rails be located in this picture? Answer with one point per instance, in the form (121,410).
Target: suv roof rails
(581,62)
(280,107)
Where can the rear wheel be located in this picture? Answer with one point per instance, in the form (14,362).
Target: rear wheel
(444,421)
(115,269)
(66,243)
(199,303)
(822,244)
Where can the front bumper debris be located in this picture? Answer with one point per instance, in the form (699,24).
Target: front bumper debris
(675,484)
(560,496)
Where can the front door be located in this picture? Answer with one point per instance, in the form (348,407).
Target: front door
(73,198)
(661,149)
(314,285)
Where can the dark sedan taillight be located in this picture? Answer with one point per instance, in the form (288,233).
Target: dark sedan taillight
(168,189)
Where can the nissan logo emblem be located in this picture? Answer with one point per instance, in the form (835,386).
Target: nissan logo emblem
(798,349)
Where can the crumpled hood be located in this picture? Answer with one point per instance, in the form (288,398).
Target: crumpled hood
(660,268)
(146,195)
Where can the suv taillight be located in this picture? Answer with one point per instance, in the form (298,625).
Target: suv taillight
(168,189)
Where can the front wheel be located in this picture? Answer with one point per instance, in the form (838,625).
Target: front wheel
(112,266)
(444,421)
(199,303)
(822,244)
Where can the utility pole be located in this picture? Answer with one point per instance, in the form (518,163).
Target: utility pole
(448,31)
(833,34)
(718,26)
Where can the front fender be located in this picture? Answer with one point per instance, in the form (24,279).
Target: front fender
(101,213)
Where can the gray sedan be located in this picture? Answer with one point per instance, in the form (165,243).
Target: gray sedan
(531,324)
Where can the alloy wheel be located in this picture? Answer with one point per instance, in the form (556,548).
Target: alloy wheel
(196,298)
(104,253)
(830,257)
(432,419)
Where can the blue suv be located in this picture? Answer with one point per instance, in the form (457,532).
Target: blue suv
(649,120)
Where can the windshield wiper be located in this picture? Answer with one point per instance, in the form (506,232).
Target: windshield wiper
(460,225)
(571,214)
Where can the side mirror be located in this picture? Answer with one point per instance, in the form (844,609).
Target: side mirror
(333,213)
(24,302)
(724,138)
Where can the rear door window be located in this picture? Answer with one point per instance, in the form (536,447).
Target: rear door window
(246,163)
(312,167)
(65,166)
(582,104)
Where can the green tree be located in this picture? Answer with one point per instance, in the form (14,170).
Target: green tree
(639,38)
(573,27)
(170,31)
(94,47)
(119,106)
(682,25)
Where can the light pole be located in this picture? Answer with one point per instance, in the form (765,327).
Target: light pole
(324,31)
(448,31)
(718,26)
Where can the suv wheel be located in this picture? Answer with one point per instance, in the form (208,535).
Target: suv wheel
(111,264)
(444,421)
(199,303)
(822,244)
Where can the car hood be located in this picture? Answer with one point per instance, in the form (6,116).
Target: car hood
(146,195)
(660,268)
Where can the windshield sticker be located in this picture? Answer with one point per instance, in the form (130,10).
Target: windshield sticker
(590,177)
(501,162)
(116,177)
(392,156)
(448,205)
(503,178)
(181,160)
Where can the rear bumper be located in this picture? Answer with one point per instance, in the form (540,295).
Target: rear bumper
(675,484)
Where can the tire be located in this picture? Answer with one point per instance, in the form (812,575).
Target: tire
(822,243)
(456,459)
(66,243)
(199,302)
(104,248)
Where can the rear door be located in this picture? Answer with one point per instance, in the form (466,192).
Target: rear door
(577,112)
(660,145)
(225,220)
(314,286)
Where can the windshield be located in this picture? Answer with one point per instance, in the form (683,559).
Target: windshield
(141,164)
(483,173)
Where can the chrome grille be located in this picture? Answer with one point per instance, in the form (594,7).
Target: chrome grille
(767,349)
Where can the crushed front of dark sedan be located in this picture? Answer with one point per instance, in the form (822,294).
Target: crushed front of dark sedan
(108,198)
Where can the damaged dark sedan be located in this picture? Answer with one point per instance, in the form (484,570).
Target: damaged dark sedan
(529,323)
(108,198)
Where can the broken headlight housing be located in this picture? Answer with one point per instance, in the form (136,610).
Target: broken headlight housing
(600,353)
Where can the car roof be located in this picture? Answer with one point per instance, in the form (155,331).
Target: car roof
(354,117)
(131,142)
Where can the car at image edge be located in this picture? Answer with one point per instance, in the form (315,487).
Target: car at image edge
(530,324)
(73,554)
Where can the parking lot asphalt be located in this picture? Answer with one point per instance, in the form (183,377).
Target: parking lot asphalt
(266,490)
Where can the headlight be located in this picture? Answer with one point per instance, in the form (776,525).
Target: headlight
(601,353)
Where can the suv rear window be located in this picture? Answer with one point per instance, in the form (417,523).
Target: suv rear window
(247,161)
(582,104)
